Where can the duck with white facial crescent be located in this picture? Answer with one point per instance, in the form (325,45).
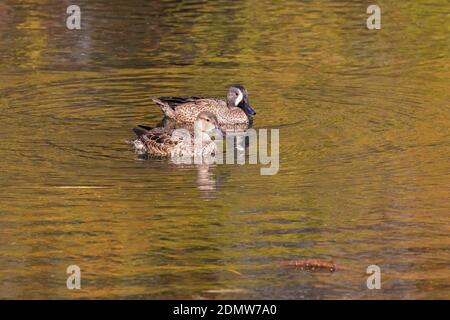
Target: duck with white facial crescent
(234,110)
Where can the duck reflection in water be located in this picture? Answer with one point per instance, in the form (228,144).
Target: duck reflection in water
(184,148)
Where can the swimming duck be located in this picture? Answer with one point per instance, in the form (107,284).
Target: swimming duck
(167,142)
(235,110)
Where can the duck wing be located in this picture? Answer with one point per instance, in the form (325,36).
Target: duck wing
(173,102)
(158,141)
(185,109)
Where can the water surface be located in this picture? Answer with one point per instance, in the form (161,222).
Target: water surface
(364,150)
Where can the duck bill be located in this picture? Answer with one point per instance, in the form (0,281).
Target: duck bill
(248,109)
(220,132)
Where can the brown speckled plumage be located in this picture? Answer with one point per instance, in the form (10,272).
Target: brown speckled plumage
(166,142)
(157,141)
(235,112)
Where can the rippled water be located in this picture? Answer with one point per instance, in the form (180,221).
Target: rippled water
(364,150)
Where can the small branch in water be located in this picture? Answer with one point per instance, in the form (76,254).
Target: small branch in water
(310,265)
(225,291)
(234,271)
(80,187)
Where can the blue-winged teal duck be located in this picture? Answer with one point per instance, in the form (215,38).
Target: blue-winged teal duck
(165,142)
(236,110)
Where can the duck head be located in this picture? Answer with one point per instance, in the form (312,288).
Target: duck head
(207,122)
(237,97)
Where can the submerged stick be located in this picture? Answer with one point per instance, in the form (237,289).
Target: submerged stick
(310,265)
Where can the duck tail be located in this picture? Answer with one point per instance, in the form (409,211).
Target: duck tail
(140,131)
(139,142)
(165,108)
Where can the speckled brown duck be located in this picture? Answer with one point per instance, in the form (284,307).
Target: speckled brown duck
(235,111)
(165,142)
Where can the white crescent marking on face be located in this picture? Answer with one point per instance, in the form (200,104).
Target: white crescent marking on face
(239,98)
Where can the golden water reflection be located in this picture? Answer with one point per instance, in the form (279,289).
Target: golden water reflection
(364,147)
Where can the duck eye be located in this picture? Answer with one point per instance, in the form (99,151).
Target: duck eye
(208,120)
